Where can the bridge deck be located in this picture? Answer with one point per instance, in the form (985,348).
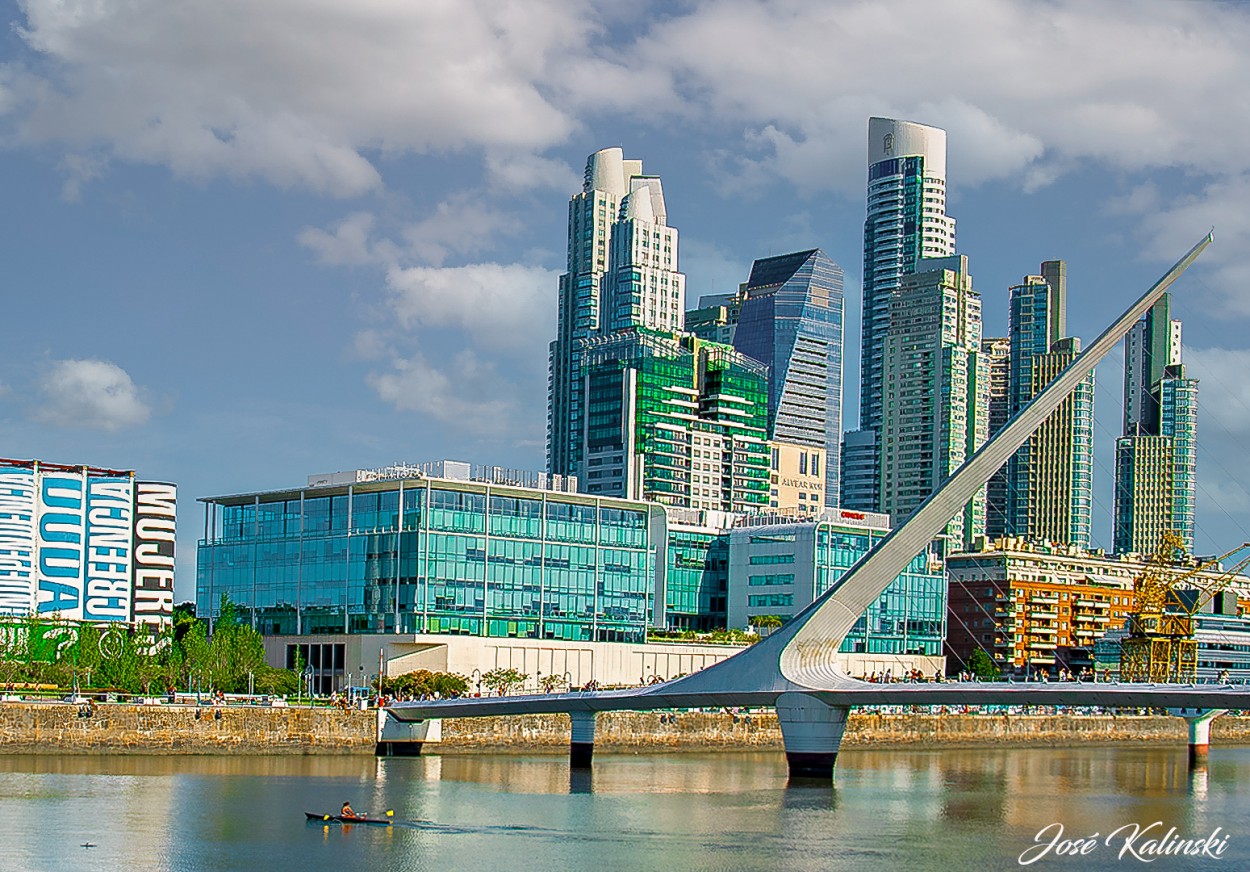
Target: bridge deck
(653,698)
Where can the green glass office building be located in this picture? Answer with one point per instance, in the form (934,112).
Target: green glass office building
(422,554)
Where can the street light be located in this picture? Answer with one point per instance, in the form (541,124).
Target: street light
(477,677)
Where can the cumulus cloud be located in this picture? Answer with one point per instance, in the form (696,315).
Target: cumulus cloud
(288,91)
(311,95)
(466,396)
(508,305)
(91,394)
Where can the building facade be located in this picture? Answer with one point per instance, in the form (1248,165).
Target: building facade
(696,584)
(1050,480)
(675,419)
(1039,606)
(621,271)
(935,390)
(791,320)
(1156,458)
(906,222)
(997,353)
(394,551)
(779,568)
(84,544)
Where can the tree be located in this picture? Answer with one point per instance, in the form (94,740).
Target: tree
(503,680)
(982,665)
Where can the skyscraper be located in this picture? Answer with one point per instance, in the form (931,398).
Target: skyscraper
(1156,462)
(997,353)
(935,390)
(791,321)
(675,419)
(906,221)
(1050,479)
(621,272)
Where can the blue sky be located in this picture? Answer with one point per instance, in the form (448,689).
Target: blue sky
(245,242)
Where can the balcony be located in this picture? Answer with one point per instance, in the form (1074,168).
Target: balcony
(1044,614)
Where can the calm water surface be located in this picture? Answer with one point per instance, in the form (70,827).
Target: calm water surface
(888,810)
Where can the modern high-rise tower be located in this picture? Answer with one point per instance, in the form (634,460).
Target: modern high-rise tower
(621,273)
(935,390)
(997,353)
(906,221)
(1049,492)
(1156,461)
(791,321)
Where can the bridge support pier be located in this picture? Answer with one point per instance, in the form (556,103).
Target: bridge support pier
(582,740)
(1199,721)
(812,732)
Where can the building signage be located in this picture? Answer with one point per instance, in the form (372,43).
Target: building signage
(110,503)
(85,544)
(62,512)
(17,541)
(156,510)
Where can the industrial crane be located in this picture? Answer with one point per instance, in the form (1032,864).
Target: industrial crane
(1170,590)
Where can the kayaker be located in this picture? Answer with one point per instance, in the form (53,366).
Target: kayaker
(347,811)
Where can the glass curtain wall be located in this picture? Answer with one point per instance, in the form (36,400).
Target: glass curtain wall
(454,560)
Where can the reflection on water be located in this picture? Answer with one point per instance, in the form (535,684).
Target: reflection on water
(722,811)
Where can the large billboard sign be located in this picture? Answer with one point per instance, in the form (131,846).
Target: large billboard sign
(17,541)
(62,513)
(156,512)
(110,526)
(85,544)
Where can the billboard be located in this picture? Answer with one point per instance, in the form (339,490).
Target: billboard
(156,512)
(85,544)
(62,516)
(110,526)
(17,541)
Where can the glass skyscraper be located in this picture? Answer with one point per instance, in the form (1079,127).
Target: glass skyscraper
(1049,492)
(430,555)
(906,221)
(935,390)
(621,272)
(675,419)
(791,320)
(1156,459)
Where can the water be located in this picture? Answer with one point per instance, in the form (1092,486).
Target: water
(888,810)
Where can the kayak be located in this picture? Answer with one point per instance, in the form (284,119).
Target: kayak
(339,819)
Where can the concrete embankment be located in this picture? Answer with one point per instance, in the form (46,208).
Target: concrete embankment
(113,728)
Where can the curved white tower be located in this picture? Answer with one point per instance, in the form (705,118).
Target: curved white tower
(906,221)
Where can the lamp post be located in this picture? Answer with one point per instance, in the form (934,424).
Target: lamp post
(477,677)
(251,684)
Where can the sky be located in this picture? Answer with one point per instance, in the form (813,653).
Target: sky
(248,242)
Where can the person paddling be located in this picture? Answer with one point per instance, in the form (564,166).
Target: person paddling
(347,811)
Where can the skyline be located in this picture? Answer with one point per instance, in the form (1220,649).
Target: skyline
(245,267)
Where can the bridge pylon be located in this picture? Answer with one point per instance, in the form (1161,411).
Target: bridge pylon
(1199,722)
(582,739)
(812,732)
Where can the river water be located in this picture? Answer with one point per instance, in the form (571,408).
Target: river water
(915,810)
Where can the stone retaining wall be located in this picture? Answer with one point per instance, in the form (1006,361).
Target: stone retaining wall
(58,728)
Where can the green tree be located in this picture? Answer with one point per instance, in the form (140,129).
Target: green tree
(502,681)
(982,665)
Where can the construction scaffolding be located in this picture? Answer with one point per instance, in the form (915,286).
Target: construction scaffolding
(1173,586)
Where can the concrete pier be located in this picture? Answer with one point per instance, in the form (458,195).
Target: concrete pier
(582,740)
(812,733)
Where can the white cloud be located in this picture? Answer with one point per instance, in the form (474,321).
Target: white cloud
(470,396)
(310,94)
(91,394)
(524,172)
(290,91)
(349,243)
(508,306)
